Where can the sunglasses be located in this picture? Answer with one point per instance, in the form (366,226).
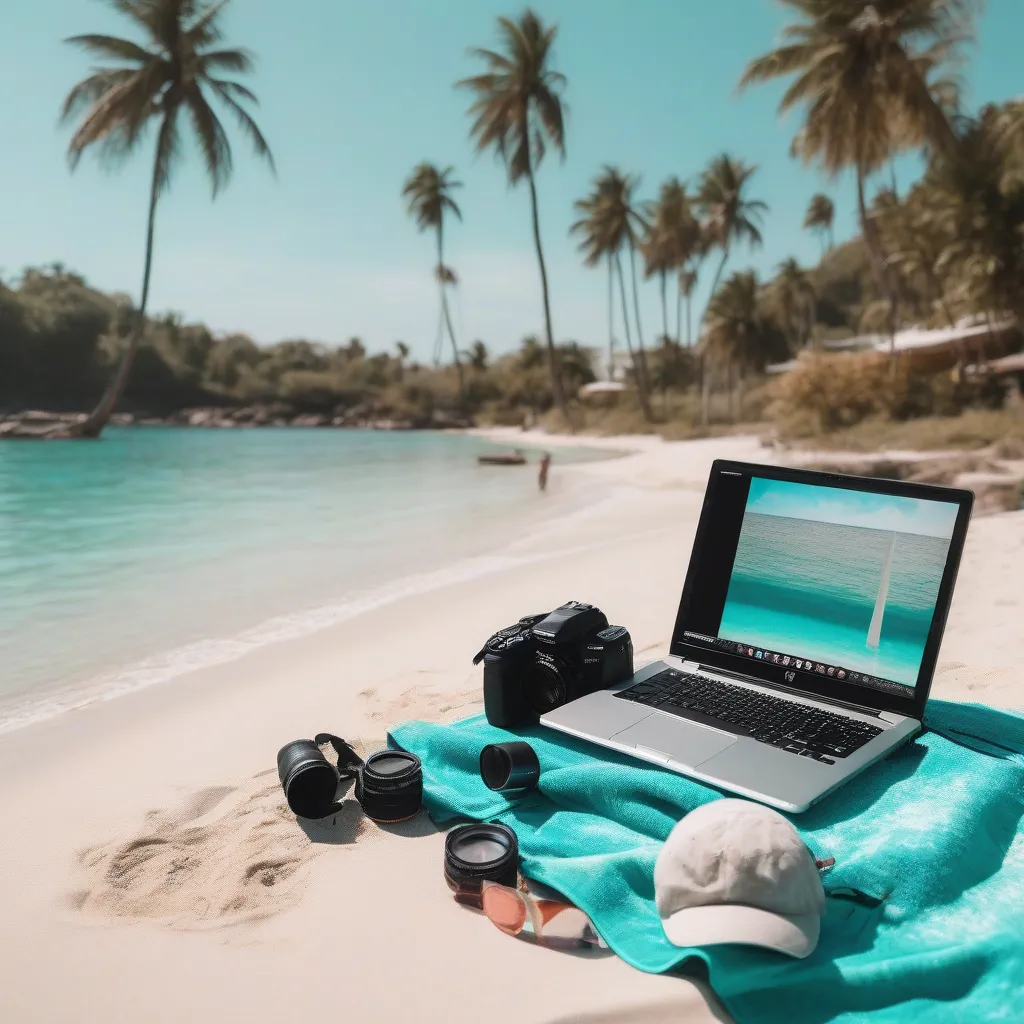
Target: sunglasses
(516,911)
(825,865)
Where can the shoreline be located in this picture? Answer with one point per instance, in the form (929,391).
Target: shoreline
(165,664)
(186,770)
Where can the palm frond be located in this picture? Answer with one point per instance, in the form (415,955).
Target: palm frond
(111,48)
(120,103)
(89,90)
(237,60)
(244,120)
(213,141)
(168,151)
(205,30)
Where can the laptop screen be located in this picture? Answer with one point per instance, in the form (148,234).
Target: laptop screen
(827,582)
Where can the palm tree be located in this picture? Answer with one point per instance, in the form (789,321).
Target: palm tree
(975,197)
(444,276)
(728,217)
(478,356)
(907,234)
(518,113)
(172,76)
(597,244)
(867,78)
(737,330)
(686,283)
(673,239)
(428,193)
(1009,134)
(611,222)
(793,298)
(820,216)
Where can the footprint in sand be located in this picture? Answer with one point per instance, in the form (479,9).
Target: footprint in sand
(224,856)
(426,703)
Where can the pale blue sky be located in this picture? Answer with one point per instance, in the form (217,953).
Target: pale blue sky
(353,95)
(852,508)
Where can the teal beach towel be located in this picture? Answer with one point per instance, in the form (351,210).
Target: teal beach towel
(933,833)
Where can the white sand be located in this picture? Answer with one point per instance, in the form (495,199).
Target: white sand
(151,871)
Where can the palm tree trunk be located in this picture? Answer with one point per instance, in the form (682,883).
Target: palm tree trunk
(556,376)
(611,319)
(679,313)
(664,306)
(439,340)
(641,391)
(92,426)
(447,314)
(705,384)
(874,251)
(640,351)
(689,322)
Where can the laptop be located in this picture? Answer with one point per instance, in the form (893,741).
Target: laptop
(806,636)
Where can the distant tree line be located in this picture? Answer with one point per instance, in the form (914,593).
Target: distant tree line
(60,340)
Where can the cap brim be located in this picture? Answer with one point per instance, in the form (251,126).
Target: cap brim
(717,924)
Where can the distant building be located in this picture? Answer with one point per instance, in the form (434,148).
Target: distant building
(968,341)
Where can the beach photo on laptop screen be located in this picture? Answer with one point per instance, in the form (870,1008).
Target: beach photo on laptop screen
(838,576)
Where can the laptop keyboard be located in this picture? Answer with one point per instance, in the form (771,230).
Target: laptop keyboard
(795,728)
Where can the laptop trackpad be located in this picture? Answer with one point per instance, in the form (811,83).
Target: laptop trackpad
(679,740)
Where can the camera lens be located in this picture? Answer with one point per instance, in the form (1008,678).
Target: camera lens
(509,766)
(480,852)
(309,780)
(390,786)
(545,683)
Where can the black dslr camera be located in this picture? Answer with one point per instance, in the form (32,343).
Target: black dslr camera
(545,661)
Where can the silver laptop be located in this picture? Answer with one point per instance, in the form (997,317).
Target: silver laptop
(806,636)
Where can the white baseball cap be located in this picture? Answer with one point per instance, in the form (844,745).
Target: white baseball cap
(736,871)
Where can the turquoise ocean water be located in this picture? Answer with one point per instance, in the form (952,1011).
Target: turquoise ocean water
(808,589)
(128,560)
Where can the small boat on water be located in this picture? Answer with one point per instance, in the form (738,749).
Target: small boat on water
(502,459)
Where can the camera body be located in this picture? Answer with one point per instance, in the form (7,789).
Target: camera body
(544,661)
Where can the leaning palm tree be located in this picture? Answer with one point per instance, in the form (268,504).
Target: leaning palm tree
(170,78)
(518,112)
(872,80)
(610,223)
(819,218)
(428,193)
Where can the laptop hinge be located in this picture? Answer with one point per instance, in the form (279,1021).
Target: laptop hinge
(693,666)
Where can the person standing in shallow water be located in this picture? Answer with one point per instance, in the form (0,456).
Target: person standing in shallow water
(545,463)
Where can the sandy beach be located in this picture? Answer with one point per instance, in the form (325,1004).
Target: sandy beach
(152,871)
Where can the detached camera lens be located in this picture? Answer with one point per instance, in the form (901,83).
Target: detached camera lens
(390,786)
(309,780)
(481,852)
(509,766)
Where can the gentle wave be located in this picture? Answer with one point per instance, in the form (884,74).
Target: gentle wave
(207,653)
